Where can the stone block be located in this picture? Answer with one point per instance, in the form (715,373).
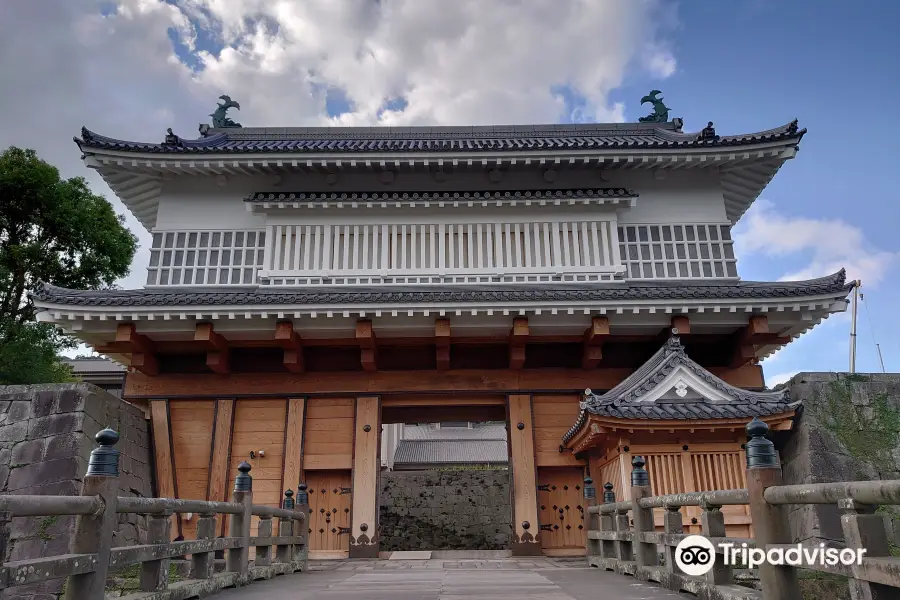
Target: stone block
(67,444)
(27,452)
(19,411)
(55,425)
(71,400)
(43,403)
(41,473)
(14,432)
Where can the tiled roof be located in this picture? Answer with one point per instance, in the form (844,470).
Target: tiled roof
(318,140)
(477,432)
(439,196)
(270,296)
(451,452)
(94,364)
(627,399)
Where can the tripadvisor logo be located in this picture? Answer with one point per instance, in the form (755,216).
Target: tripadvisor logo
(695,555)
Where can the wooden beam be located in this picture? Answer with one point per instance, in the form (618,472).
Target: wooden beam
(748,339)
(594,337)
(492,381)
(145,363)
(128,340)
(442,343)
(681,323)
(208,339)
(518,336)
(368,350)
(216,348)
(290,341)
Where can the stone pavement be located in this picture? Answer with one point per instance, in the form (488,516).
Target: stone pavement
(519,579)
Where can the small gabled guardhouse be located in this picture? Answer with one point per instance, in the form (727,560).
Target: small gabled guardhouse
(309,286)
(687,423)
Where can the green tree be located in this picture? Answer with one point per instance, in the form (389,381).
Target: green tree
(59,232)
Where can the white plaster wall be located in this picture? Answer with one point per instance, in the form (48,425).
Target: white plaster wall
(200,203)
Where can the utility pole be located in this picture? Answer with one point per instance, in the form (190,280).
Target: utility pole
(856,286)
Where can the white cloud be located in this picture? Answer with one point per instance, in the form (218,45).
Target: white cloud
(829,244)
(64,64)
(780,378)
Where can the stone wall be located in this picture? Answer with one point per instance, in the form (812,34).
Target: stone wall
(849,430)
(46,437)
(445,510)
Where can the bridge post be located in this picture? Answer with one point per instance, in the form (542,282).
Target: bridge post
(608,523)
(645,554)
(713,522)
(301,528)
(283,553)
(93,533)
(865,528)
(624,548)
(673,523)
(770,522)
(238,559)
(592,548)
(155,573)
(264,552)
(202,562)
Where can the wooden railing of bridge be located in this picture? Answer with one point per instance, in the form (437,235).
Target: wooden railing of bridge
(631,546)
(91,555)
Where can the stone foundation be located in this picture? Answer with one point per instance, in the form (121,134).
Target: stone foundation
(849,430)
(445,510)
(46,437)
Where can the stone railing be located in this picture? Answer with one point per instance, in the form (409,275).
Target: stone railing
(631,546)
(92,555)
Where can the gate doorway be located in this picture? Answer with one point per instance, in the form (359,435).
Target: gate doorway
(329,520)
(561,510)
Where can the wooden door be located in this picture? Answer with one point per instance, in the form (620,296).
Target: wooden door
(561,506)
(329,519)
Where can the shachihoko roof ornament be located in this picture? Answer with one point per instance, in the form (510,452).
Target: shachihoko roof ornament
(220,118)
(660,112)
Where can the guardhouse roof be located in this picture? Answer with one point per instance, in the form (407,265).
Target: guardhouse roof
(671,386)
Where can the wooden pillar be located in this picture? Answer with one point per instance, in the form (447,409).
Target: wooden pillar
(162,448)
(364,523)
(293,443)
(219,476)
(526,532)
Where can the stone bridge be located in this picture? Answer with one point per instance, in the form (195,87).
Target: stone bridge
(627,558)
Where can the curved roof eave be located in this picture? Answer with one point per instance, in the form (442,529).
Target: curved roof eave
(831,285)
(338,140)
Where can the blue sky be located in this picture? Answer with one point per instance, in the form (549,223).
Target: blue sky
(755,64)
(131,68)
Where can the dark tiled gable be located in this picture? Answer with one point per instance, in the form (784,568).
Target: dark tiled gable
(438,139)
(624,400)
(256,295)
